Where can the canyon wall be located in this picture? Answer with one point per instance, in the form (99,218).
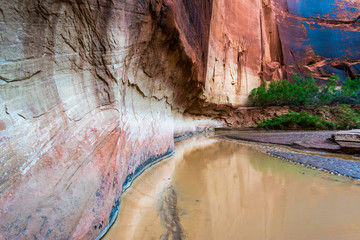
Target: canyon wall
(89,91)
(320,37)
(255,41)
(241,52)
(92,90)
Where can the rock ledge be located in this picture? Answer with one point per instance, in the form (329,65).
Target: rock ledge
(349,141)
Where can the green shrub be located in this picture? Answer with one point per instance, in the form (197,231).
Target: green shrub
(296,120)
(346,118)
(328,92)
(351,87)
(304,91)
(343,117)
(350,91)
(301,91)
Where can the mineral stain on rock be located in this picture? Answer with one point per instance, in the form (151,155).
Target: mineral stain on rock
(2,125)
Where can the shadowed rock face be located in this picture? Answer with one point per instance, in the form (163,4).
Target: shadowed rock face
(92,89)
(320,37)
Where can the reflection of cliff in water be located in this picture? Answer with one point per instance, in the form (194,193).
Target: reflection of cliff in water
(216,189)
(169,215)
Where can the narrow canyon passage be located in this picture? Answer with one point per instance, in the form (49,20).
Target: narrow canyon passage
(92,91)
(219,189)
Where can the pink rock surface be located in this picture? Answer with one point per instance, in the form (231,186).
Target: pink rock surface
(244,50)
(89,91)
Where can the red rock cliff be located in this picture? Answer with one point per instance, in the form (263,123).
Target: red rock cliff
(92,90)
(320,37)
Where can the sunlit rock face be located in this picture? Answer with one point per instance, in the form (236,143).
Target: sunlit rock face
(88,91)
(320,37)
(244,49)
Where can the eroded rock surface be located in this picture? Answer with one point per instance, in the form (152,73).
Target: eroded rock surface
(244,49)
(89,90)
(348,140)
(320,37)
(92,89)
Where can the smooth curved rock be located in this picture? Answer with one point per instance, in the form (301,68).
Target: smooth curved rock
(89,91)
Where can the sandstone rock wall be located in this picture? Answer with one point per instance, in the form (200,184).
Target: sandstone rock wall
(244,50)
(320,37)
(89,90)
(234,51)
(92,89)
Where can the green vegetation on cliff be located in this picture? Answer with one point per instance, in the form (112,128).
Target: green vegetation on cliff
(330,118)
(296,120)
(305,91)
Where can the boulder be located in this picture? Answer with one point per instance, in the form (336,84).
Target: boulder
(348,140)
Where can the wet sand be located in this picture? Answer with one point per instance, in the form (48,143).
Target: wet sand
(218,189)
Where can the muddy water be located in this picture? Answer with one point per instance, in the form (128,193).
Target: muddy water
(216,189)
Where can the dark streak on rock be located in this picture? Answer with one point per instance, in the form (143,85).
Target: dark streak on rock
(20,79)
(3,15)
(21,116)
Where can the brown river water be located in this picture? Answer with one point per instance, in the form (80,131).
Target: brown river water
(218,189)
